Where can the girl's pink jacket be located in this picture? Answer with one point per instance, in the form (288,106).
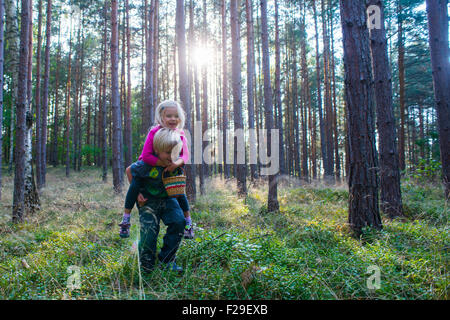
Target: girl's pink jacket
(147,152)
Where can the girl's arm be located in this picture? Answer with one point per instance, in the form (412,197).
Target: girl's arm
(184,154)
(147,152)
(183,158)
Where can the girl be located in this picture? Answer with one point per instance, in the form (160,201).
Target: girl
(168,114)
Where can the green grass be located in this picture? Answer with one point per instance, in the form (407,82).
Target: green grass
(241,251)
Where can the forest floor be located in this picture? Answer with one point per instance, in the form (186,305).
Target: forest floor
(240,251)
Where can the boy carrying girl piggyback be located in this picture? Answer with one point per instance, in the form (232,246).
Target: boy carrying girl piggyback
(165,152)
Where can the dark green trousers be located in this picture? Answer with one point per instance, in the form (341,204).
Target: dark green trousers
(168,210)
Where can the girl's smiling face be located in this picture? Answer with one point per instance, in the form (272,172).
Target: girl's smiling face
(170,118)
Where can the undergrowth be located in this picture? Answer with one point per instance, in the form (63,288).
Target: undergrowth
(240,251)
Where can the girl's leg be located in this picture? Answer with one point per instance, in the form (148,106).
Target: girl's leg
(184,205)
(129,175)
(130,200)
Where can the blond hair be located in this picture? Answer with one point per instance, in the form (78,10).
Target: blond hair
(167,104)
(167,140)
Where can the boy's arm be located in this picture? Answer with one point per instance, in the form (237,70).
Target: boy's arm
(178,163)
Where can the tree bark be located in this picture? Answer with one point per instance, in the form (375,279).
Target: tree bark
(55,132)
(115,100)
(191,188)
(204,104)
(32,202)
(272,204)
(329,165)
(184,84)
(305,97)
(390,196)
(237,93)
(37,101)
(401,80)
(21,110)
(67,116)
(128,131)
(12,38)
(250,86)
(363,185)
(319,93)
(104,103)
(2,55)
(224,90)
(337,160)
(45,94)
(148,115)
(437,13)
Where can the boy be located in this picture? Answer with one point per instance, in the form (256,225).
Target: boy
(158,206)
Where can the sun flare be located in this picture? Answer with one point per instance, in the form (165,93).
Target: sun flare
(202,56)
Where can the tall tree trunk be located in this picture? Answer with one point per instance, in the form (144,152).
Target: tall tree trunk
(184,84)
(32,202)
(77,80)
(156,52)
(143,129)
(21,115)
(437,13)
(391,198)
(2,55)
(237,93)
(191,188)
(67,116)
(224,90)
(401,80)
(12,39)
(205,111)
(272,204)
(128,135)
(45,93)
(363,185)
(305,97)
(334,111)
(115,100)
(278,105)
(250,87)
(104,104)
(319,93)
(328,166)
(79,106)
(88,129)
(148,116)
(37,101)
(55,132)
(295,105)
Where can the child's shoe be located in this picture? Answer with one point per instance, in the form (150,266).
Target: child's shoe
(124,229)
(172,266)
(188,232)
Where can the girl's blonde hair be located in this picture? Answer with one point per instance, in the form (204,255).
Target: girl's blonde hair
(166,104)
(167,140)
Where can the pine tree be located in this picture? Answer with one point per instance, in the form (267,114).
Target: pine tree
(363,184)
(391,199)
(437,13)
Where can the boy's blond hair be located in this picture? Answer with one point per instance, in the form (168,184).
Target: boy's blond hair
(167,140)
(166,104)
